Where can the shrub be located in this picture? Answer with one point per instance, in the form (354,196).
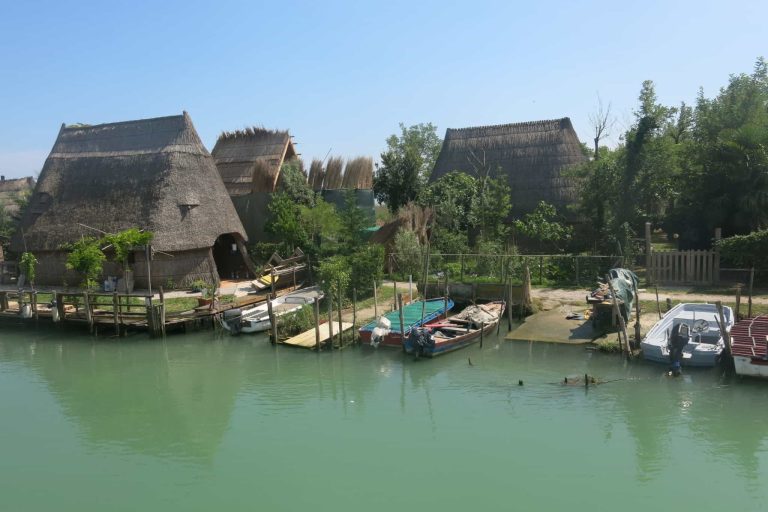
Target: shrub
(366,266)
(409,252)
(746,250)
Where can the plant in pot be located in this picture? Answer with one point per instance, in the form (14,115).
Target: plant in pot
(206,290)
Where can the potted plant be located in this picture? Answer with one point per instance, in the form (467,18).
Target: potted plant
(123,243)
(206,290)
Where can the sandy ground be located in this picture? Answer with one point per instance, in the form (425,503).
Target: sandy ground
(579,296)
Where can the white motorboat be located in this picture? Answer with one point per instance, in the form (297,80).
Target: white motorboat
(749,347)
(692,328)
(256,319)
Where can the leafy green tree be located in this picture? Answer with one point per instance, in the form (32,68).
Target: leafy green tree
(124,242)
(28,264)
(334,276)
(409,252)
(366,266)
(406,165)
(353,223)
(490,208)
(284,222)
(321,223)
(293,183)
(451,197)
(86,257)
(544,226)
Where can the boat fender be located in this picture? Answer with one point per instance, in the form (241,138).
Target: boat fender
(26,311)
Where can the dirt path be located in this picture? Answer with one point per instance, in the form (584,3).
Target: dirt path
(579,296)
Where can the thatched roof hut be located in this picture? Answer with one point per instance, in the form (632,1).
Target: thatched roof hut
(12,190)
(153,174)
(249,160)
(532,155)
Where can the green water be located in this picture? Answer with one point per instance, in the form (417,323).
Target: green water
(206,423)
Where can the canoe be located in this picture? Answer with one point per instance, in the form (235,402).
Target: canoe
(458,331)
(749,341)
(390,336)
(694,329)
(256,319)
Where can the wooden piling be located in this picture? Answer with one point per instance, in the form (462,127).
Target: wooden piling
(394,287)
(272,320)
(637,318)
(33,301)
(658,306)
(721,324)
(509,306)
(60,305)
(88,315)
(354,313)
(330,321)
(316,310)
(751,283)
(738,301)
(115,313)
(162,310)
(402,323)
(410,287)
(375,301)
(669,304)
(482,333)
(338,311)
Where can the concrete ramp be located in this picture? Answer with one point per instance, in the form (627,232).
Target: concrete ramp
(553,327)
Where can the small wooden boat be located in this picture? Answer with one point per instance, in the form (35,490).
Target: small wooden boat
(749,341)
(256,319)
(688,335)
(458,331)
(385,330)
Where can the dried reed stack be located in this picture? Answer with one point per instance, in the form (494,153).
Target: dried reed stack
(316,175)
(333,176)
(263,177)
(358,174)
(417,219)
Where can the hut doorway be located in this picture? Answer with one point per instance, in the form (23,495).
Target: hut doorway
(229,258)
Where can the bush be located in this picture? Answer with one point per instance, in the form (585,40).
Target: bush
(409,252)
(745,251)
(334,273)
(366,266)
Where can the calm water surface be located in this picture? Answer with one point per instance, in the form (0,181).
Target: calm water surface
(209,423)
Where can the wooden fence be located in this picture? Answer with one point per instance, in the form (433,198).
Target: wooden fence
(684,267)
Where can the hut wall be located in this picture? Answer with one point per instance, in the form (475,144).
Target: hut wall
(176,271)
(253,210)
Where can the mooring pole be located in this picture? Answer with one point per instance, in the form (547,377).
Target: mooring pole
(316,310)
(402,323)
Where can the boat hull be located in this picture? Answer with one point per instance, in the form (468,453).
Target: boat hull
(751,366)
(435,310)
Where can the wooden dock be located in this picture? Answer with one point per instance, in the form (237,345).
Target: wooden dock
(309,339)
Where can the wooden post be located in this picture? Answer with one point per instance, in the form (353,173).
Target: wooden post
(445,295)
(461,259)
(341,329)
(3,301)
(375,301)
(60,305)
(272,320)
(394,296)
(620,318)
(637,318)
(509,307)
(88,315)
(162,311)
(541,269)
(577,271)
(410,288)
(648,255)
(738,301)
(658,306)
(482,333)
(751,283)
(150,317)
(330,321)
(33,301)
(115,317)
(402,323)
(426,285)
(716,272)
(316,310)
(721,325)
(294,276)
(354,313)
(272,282)
(669,304)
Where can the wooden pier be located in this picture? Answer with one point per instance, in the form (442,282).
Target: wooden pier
(316,337)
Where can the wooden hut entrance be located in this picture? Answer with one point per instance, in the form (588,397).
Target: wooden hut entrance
(229,255)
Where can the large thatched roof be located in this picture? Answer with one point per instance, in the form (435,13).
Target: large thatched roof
(13,189)
(249,160)
(533,155)
(153,174)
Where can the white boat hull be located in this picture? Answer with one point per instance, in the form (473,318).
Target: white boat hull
(706,345)
(751,367)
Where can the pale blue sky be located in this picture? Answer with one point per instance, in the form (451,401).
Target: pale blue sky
(342,75)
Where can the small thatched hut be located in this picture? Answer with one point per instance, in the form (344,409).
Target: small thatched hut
(250,160)
(153,174)
(13,190)
(532,155)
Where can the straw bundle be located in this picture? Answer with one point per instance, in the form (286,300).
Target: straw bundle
(333,173)
(358,174)
(316,175)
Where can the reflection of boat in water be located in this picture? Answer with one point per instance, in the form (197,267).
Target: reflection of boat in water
(256,319)
(441,336)
(386,329)
(689,333)
(749,344)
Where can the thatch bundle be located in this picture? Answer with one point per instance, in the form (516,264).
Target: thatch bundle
(13,190)
(358,174)
(333,173)
(417,219)
(533,156)
(316,175)
(249,160)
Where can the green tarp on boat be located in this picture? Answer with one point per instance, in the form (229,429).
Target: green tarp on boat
(412,316)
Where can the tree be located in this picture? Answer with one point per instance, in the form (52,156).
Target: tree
(490,208)
(602,122)
(124,242)
(28,264)
(283,222)
(85,256)
(293,183)
(451,198)
(406,165)
(353,223)
(543,226)
(408,251)
(321,223)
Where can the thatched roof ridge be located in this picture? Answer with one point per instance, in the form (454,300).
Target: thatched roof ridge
(249,160)
(532,154)
(154,174)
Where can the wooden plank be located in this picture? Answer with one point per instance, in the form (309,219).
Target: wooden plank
(308,339)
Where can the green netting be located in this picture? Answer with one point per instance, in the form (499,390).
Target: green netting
(412,314)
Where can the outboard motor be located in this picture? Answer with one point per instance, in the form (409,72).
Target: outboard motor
(232,318)
(421,339)
(681,335)
(383,326)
